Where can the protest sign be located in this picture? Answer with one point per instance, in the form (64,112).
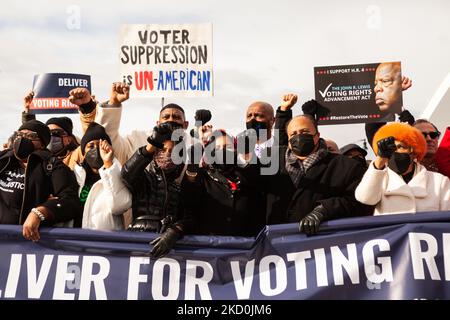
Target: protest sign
(359,93)
(167,60)
(51,92)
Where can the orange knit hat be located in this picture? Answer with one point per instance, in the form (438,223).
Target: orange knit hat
(405,133)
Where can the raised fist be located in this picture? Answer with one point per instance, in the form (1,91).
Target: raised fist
(386,147)
(27,101)
(79,96)
(106,153)
(406,83)
(289,100)
(120,92)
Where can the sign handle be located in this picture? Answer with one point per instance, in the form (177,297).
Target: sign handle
(162,102)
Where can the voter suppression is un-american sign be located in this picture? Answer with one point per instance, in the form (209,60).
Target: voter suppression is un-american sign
(167,60)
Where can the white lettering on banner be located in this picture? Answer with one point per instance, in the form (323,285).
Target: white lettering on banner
(70,82)
(135,276)
(36,284)
(446,249)
(98,280)
(419,257)
(243,287)
(350,264)
(269,276)
(62,276)
(369,261)
(173,279)
(202,282)
(300,268)
(280,275)
(13,276)
(321,267)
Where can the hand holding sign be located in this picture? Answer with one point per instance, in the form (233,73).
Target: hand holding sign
(79,96)
(289,100)
(120,92)
(27,101)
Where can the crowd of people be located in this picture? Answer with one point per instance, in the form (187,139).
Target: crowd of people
(165,180)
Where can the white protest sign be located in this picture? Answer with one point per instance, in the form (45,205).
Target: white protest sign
(167,60)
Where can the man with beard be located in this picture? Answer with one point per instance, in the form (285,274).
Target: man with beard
(313,184)
(35,187)
(223,195)
(156,191)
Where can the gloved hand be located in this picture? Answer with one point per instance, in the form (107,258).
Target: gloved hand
(160,134)
(202,116)
(310,223)
(406,116)
(386,147)
(246,141)
(165,242)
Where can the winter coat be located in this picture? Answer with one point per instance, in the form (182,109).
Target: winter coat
(330,182)
(154,194)
(427,191)
(108,199)
(220,210)
(46,177)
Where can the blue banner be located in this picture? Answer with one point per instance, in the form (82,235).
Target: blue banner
(384,257)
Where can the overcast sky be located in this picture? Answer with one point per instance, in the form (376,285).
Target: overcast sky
(261,50)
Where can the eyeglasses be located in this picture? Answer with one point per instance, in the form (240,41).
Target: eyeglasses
(432,134)
(28,135)
(58,133)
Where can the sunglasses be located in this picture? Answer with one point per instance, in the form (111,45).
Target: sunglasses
(432,134)
(29,135)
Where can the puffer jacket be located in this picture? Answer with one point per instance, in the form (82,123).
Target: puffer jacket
(156,197)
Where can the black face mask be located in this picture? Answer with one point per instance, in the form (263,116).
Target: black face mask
(302,144)
(258,126)
(23,147)
(399,162)
(56,145)
(93,158)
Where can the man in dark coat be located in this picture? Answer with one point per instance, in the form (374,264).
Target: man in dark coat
(312,184)
(35,187)
(155,183)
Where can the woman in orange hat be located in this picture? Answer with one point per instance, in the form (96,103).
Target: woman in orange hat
(396,182)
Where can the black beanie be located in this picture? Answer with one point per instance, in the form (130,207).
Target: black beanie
(64,122)
(94,132)
(40,128)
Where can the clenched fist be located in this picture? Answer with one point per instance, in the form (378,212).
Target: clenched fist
(289,100)
(120,92)
(27,101)
(79,96)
